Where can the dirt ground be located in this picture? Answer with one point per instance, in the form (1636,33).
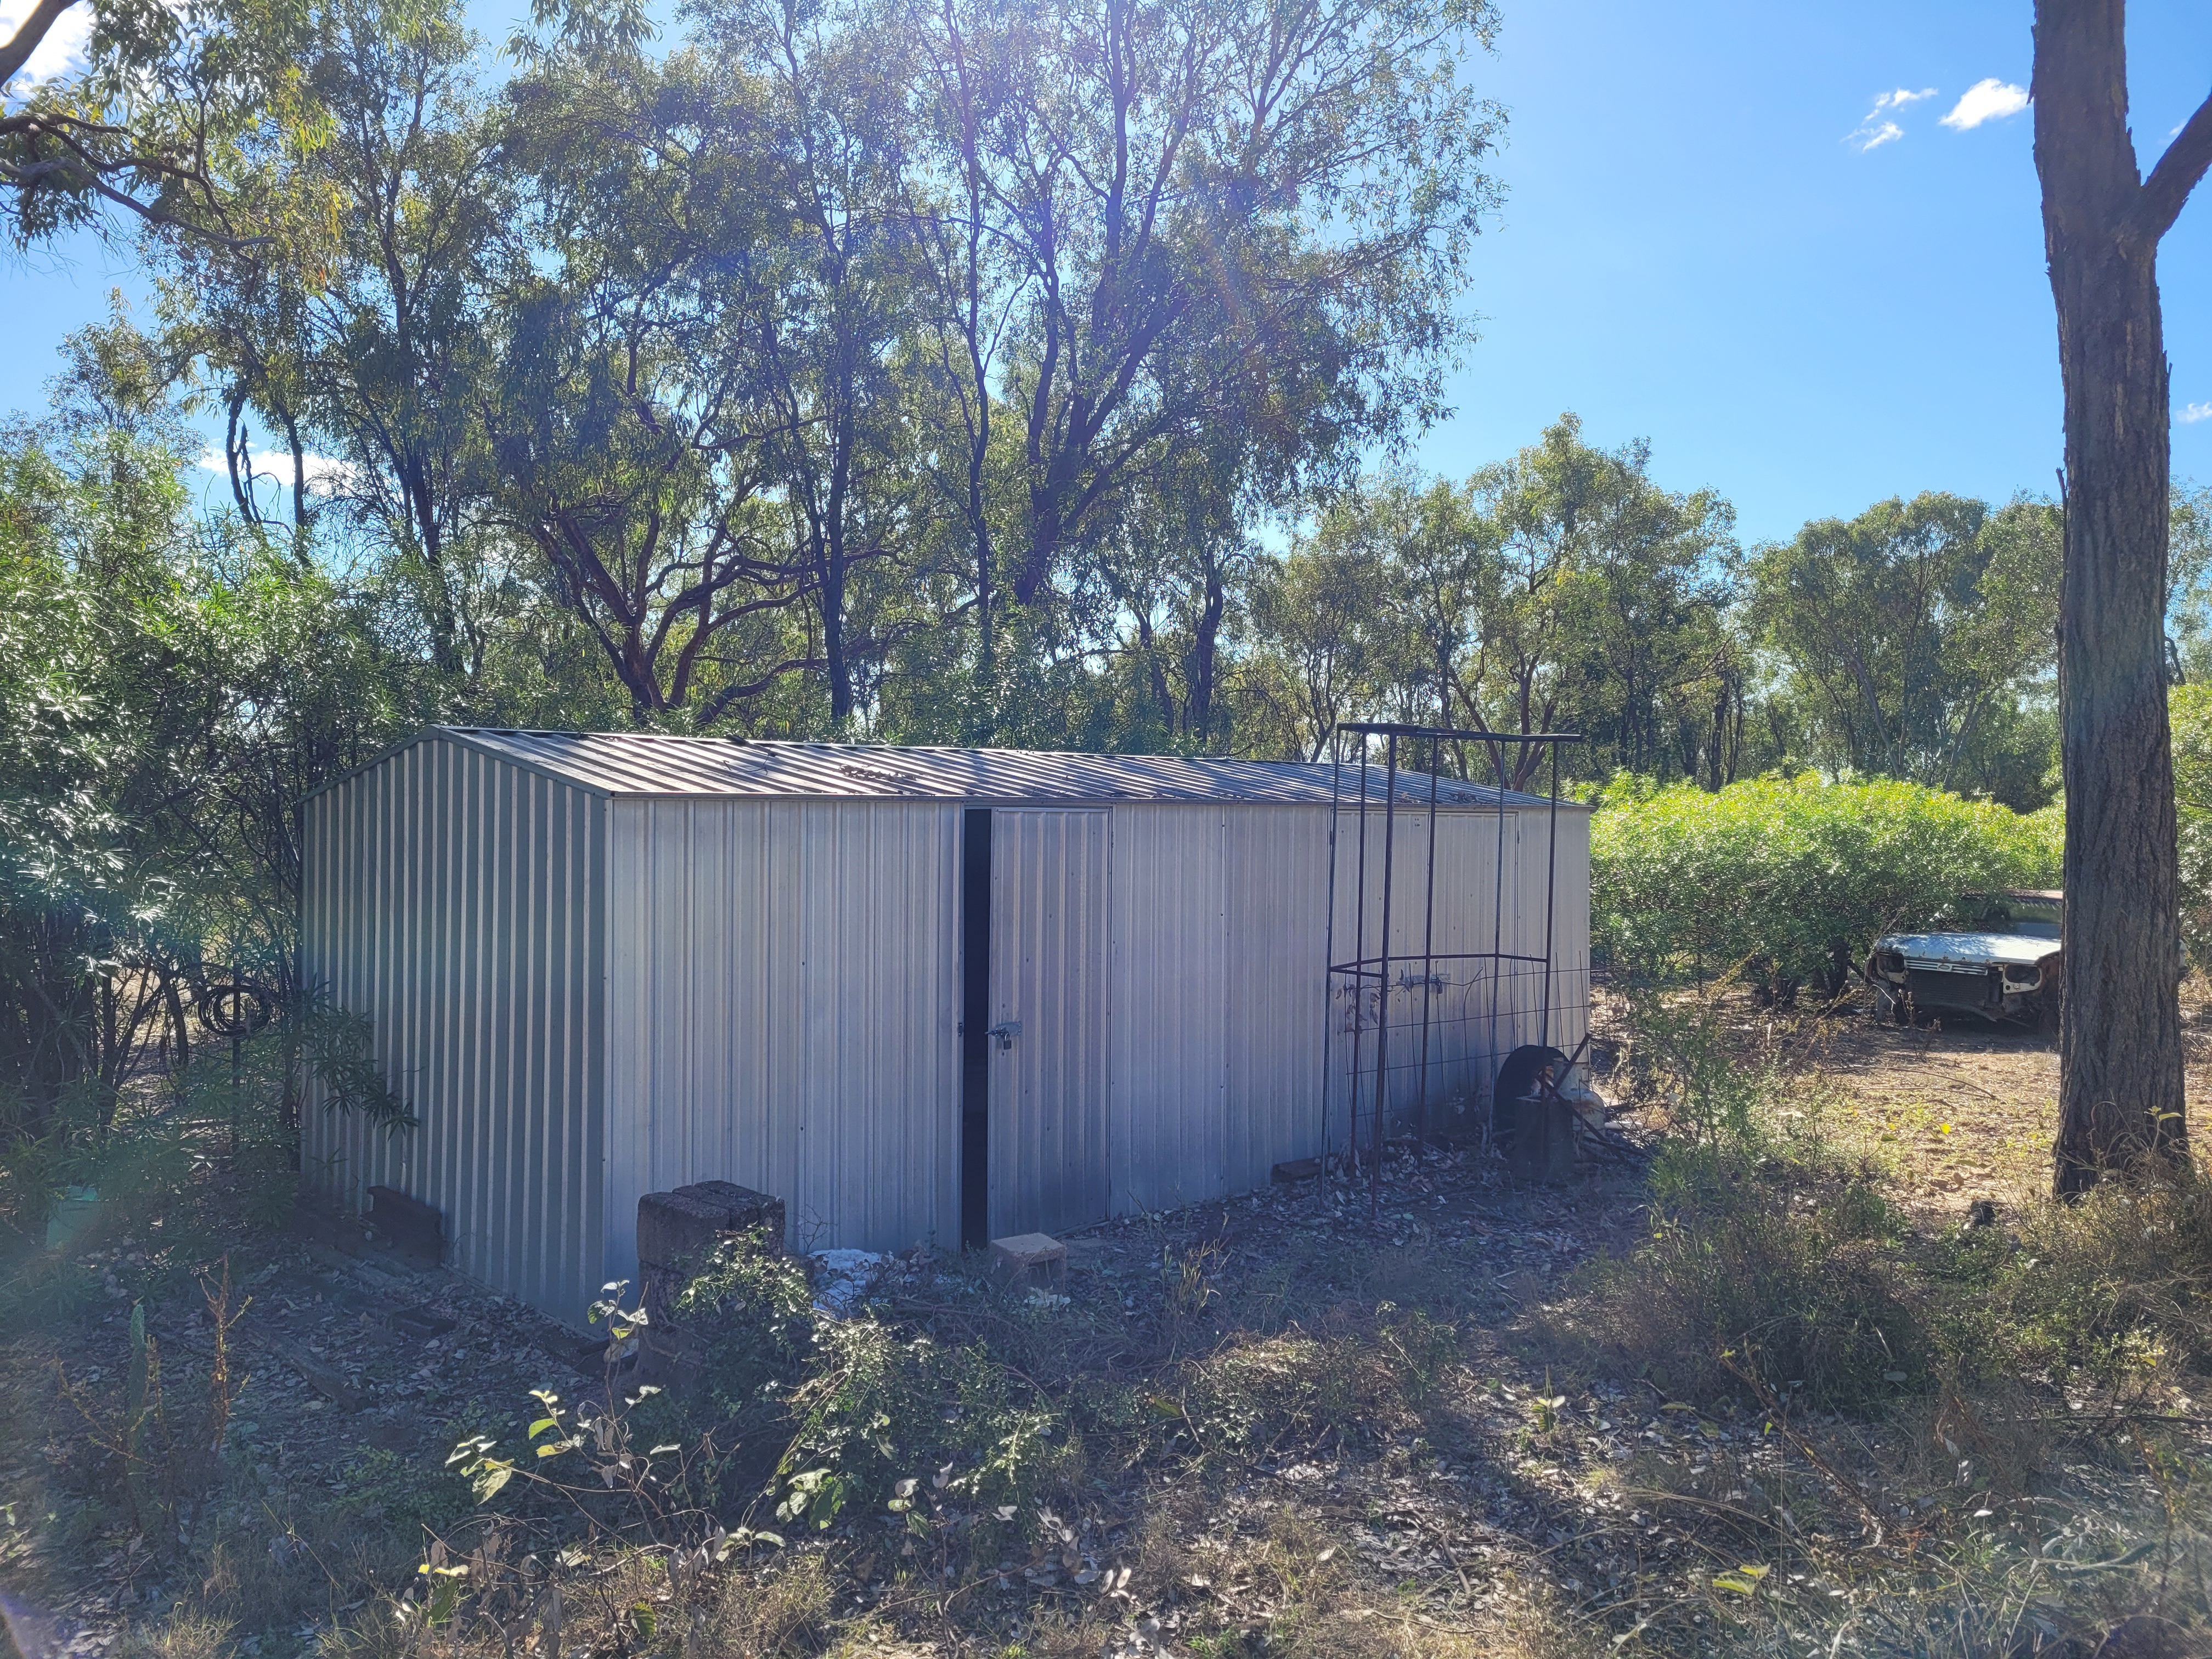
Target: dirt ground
(1955,1112)
(1511,1511)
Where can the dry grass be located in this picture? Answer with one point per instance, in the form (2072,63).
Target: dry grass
(1274,1427)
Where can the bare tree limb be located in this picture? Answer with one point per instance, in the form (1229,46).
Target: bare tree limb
(2166,190)
(27,38)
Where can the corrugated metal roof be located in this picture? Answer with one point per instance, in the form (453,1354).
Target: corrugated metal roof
(634,763)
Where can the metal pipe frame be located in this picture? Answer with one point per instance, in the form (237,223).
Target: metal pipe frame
(1360,966)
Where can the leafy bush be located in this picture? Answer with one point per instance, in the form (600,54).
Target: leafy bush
(2190,709)
(1793,876)
(868,1417)
(879,1413)
(1786,1263)
(2110,1289)
(752,1311)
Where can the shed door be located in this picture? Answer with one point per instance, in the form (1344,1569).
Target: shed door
(1048,1052)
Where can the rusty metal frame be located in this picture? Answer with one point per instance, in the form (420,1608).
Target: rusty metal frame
(1361,966)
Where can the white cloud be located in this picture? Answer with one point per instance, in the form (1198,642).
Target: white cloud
(1991,100)
(326,475)
(2190,414)
(1877,130)
(62,50)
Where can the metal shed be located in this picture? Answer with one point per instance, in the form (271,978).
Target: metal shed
(917,994)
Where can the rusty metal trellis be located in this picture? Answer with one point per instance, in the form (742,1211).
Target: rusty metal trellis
(1351,977)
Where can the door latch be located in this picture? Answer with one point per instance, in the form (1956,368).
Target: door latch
(1005,1033)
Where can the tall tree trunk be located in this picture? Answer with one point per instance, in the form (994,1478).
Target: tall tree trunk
(1205,653)
(2120,1085)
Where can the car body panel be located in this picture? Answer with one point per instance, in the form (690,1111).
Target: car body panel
(1968,951)
(2009,967)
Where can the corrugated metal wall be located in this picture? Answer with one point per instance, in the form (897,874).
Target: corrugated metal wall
(1170,1015)
(1217,998)
(783,1013)
(452,900)
(1478,1011)
(1276,862)
(586,1000)
(1048,1132)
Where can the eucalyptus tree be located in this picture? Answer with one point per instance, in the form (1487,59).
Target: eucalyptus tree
(353,324)
(1604,610)
(968,282)
(138,105)
(2120,1056)
(1326,650)
(1562,588)
(834,315)
(633,420)
(1177,562)
(1910,631)
(1217,214)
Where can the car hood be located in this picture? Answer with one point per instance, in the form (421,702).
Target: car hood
(1968,950)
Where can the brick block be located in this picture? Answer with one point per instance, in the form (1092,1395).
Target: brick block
(1037,1260)
(673,1229)
(672,1226)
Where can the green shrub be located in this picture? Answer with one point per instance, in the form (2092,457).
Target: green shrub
(882,1418)
(2189,708)
(1793,876)
(752,1310)
(862,1410)
(2111,1291)
(1787,1264)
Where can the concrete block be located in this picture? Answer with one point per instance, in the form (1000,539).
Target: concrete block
(1037,1260)
(673,1225)
(674,1230)
(1296,1169)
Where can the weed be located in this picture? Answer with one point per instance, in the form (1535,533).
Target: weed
(751,1310)
(183,1635)
(163,1463)
(1786,1257)
(1189,1277)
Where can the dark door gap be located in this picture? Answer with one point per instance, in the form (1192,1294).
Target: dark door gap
(975,1028)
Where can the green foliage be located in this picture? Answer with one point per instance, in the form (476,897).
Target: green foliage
(382,1486)
(169,687)
(1777,1256)
(1772,1257)
(1775,1273)
(147,119)
(751,1310)
(1780,873)
(1563,589)
(1914,634)
(2189,709)
(878,1411)
(2110,1291)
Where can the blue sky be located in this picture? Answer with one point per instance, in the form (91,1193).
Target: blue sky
(1695,248)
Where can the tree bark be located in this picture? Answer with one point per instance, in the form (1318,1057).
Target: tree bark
(2120,1076)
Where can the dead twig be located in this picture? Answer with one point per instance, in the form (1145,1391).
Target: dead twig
(1778,1414)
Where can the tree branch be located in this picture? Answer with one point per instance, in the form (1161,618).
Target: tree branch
(2166,190)
(35,28)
